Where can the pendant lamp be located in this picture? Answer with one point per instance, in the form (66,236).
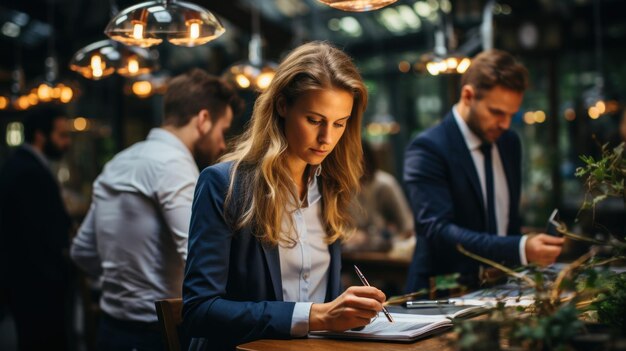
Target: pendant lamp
(50,89)
(103,58)
(179,22)
(357,5)
(443,59)
(255,73)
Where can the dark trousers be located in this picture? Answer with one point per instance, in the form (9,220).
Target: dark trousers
(40,314)
(119,335)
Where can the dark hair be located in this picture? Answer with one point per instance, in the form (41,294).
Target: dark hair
(196,90)
(495,68)
(41,118)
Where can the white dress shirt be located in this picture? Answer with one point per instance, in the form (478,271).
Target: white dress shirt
(135,233)
(501,188)
(304,265)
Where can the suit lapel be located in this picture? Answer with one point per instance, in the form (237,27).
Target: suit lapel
(462,156)
(273,265)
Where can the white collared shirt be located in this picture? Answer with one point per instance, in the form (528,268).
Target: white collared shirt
(304,266)
(135,233)
(501,188)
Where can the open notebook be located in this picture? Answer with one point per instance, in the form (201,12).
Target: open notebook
(409,325)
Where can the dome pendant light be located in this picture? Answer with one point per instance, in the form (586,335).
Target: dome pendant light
(103,58)
(357,5)
(179,22)
(255,73)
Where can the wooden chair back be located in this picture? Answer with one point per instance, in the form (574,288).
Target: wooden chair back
(170,316)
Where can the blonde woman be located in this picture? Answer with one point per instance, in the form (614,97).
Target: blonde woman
(264,256)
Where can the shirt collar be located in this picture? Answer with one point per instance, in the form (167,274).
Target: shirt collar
(164,136)
(314,195)
(313,192)
(472,140)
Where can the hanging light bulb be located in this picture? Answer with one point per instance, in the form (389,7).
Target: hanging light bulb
(463,65)
(441,60)
(96,60)
(22,103)
(4,102)
(103,58)
(255,73)
(66,94)
(43,92)
(133,65)
(97,66)
(137,30)
(357,5)
(32,99)
(194,29)
(242,81)
(142,88)
(265,78)
(136,62)
(179,22)
(46,91)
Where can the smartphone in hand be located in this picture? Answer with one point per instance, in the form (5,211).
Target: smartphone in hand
(553,224)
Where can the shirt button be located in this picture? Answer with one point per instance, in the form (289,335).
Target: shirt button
(305,276)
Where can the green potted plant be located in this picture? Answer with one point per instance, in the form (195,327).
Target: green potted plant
(559,317)
(604,178)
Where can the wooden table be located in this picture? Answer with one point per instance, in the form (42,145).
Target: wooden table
(376,266)
(441,342)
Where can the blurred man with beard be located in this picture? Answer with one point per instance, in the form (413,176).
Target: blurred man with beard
(34,234)
(134,236)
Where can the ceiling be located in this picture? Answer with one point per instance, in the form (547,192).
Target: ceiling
(535,27)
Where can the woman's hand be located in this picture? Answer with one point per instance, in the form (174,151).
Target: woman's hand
(354,308)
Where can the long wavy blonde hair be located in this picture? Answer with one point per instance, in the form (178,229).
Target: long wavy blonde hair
(259,155)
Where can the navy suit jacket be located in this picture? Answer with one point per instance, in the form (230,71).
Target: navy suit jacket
(34,225)
(447,202)
(232,292)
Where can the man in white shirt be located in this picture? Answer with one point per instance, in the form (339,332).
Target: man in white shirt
(134,236)
(463,177)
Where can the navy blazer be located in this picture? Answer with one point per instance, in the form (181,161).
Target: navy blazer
(34,225)
(447,202)
(232,292)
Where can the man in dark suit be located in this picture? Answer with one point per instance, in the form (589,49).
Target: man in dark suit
(463,179)
(34,234)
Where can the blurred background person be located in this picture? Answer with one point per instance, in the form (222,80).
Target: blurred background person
(135,234)
(382,214)
(464,180)
(34,234)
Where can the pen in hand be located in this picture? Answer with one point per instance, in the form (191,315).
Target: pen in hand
(366,283)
